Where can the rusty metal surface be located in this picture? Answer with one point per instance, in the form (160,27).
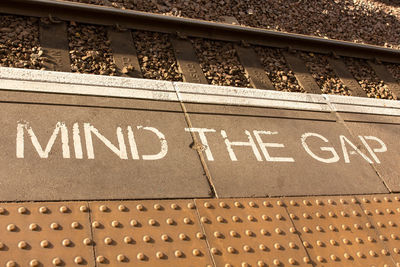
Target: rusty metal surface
(346,77)
(359,230)
(303,76)
(79,163)
(124,53)
(383,146)
(188,62)
(335,232)
(253,68)
(384,74)
(383,211)
(45,234)
(54,40)
(191,27)
(262,152)
(148,233)
(250,232)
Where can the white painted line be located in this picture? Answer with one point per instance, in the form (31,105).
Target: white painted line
(200,93)
(205,89)
(84,79)
(363,105)
(240,101)
(79,89)
(97,85)
(362,101)
(366,109)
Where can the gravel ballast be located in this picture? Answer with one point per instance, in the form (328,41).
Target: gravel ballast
(19,43)
(220,63)
(323,74)
(277,70)
(362,21)
(90,50)
(156,56)
(366,77)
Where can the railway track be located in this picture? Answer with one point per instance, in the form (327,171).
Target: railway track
(293,49)
(140,172)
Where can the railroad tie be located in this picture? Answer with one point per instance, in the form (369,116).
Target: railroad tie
(69,11)
(346,77)
(124,52)
(251,62)
(188,62)
(253,68)
(383,74)
(54,40)
(301,73)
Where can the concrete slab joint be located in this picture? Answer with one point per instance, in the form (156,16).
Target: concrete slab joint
(164,139)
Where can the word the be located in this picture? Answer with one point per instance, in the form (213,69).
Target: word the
(254,140)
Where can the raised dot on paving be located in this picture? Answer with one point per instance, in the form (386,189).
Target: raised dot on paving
(148,233)
(254,232)
(50,234)
(337,233)
(383,212)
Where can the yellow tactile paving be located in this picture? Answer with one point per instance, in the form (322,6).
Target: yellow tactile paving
(148,233)
(312,231)
(45,234)
(336,232)
(250,232)
(383,211)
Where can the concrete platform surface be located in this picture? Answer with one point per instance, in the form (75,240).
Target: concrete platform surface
(85,137)
(112,171)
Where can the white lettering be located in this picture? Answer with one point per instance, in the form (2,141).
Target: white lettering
(343,141)
(42,153)
(203,139)
(77,141)
(335,156)
(89,129)
(163,143)
(371,151)
(250,143)
(132,144)
(264,146)
(328,154)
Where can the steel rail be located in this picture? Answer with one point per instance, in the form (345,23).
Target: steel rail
(101,15)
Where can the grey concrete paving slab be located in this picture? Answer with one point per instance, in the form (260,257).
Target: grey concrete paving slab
(379,137)
(271,158)
(70,151)
(264,153)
